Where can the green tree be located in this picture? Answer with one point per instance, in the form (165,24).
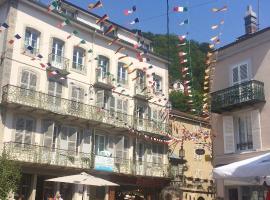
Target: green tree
(197,57)
(10,175)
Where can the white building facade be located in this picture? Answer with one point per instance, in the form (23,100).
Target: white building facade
(71,103)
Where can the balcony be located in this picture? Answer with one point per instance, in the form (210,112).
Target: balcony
(58,63)
(34,154)
(104,81)
(142,92)
(16,97)
(28,153)
(247,93)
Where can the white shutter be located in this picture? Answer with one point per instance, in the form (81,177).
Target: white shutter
(125,106)
(72,137)
(24,79)
(33,81)
(228,134)
(100,99)
(48,133)
(87,141)
(243,72)
(235,75)
(20,124)
(256,130)
(63,141)
(119,146)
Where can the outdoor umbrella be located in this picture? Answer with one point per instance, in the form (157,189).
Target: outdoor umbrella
(258,166)
(83,179)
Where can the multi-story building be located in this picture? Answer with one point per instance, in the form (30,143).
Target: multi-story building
(191,160)
(71,103)
(240,105)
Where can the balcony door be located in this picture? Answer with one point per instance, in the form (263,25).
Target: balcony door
(68,139)
(55,93)
(28,84)
(103,68)
(142,113)
(24,131)
(141,80)
(58,53)
(77,97)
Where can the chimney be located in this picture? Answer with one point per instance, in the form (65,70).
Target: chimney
(250,21)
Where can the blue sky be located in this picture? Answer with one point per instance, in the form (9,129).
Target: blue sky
(152,16)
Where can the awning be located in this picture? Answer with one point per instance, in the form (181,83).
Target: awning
(83,179)
(255,167)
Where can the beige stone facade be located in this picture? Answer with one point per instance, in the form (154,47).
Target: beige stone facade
(240,107)
(194,175)
(70,103)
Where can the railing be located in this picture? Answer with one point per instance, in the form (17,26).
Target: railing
(102,77)
(58,62)
(249,92)
(58,105)
(79,67)
(142,91)
(29,153)
(244,146)
(44,155)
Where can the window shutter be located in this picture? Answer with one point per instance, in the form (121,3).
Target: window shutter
(119,144)
(58,89)
(33,82)
(111,145)
(63,141)
(51,88)
(81,95)
(20,124)
(72,139)
(228,134)
(243,72)
(112,104)
(235,75)
(74,93)
(256,130)
(48,133)
(100,99)
(125,106)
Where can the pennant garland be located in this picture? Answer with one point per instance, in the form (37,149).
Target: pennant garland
(136,20)
(102,19)
(98,4)
(180,9)
(132,10)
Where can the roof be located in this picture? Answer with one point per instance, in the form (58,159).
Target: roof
(244,38)
(189,117)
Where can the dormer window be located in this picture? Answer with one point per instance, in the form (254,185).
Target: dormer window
(104,27)
(69,13)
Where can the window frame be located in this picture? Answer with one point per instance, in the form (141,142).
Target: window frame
(30,40)
(120,71)
(237,66)
(76,65)
(23,131)
(103,70)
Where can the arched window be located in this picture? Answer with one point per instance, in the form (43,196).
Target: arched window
(32,41)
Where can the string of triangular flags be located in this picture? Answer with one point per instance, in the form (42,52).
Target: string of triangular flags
(211,61)
(184,55)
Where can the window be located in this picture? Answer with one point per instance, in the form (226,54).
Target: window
(157,153)
(122,74)
(28,83)
(78,59)
(242,131)
(100,144)
(121,148)
(48,131)
(32,38)
(77,96)
(157,84)
(243,128)
(121,108)
(68,139)
(105,101)
(103,67)
(68,13)
(240,73)
(141,81)
(24,130)
(142,113)
(57,57)
(55,92)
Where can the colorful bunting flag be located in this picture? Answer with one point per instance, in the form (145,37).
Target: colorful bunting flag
(98,4)
(119,49)
(122,57)
(184,22)
(180,9)
(109,30)
(64,23)
(75,32)
(102,19)
(132,10)
(112,42)
(135,21)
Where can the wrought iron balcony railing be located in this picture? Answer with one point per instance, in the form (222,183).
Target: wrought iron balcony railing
(104,79)
(49,156)
(79,67)
(142,92)
(247,93)
(28,153)
(61,106)
(58,63)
